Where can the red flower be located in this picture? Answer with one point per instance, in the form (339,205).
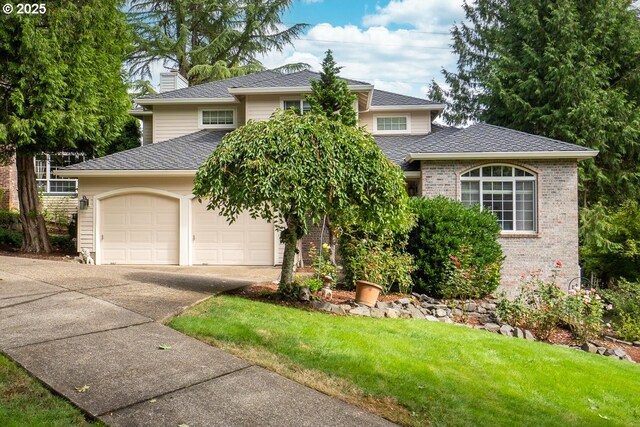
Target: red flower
(453,258)
(558,264)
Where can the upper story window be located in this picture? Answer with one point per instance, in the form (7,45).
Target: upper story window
(392,124)
(301,106)
(48,182)
(509,192)
(218,118)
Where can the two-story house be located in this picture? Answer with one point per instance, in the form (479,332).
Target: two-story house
(137,208)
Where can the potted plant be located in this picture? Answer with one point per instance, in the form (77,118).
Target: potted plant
(368,275)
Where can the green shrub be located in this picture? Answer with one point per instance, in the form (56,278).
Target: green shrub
(63,243)
(543,307)
(624,298)
(465,280)
(313,283)
(610,242)
(378,262)
(10,238)
(321,262)
(9,218)
(446,228)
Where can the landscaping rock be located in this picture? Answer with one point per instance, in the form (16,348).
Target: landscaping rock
(377,312)
(457,312)
(482,310)
(304,294)
(404,301)
(492,327)
(431,318)
(321,305)
(446,320)
(601,350)
(518,333)
(426,311)
(470,306)
(489,306)
(589,347)
(619,352)
(337,309)
(361,311)
(506,330)
(404,314)
(628,358)
(391,313)
(636,343)
(382,305)
(415,312)
(433,306)
(441,312)
(608,352)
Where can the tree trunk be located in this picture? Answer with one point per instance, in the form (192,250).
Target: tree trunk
(332,242)
(290,240)
(34,231)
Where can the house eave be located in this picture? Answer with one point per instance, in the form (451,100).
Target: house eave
(287,89)
(513,155)
(375,108)
(123,173)
(185,101)
(139,113)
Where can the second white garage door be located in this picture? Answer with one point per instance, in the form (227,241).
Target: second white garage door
(139,229)
(247,241)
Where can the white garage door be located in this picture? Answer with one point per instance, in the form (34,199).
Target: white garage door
(247,241)
(140,229)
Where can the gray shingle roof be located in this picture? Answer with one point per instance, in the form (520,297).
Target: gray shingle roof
(485,138)
(384,98)
(183,153)
(263,79)
(190,151)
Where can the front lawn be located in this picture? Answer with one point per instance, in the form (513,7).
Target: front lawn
(443,375)
(26,402)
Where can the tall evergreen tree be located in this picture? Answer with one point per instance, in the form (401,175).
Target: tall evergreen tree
(331,95)
(61,89)
(208,39)
(567,69)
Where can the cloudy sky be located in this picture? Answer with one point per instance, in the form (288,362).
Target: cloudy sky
(398,45)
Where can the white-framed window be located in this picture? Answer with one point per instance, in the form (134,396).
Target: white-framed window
(392,124)
(48,182)
(217,118)
(508,191)
(301,106)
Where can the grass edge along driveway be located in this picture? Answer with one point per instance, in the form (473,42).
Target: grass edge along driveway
(442,375)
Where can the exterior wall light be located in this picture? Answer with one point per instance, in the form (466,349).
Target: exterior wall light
(83,203)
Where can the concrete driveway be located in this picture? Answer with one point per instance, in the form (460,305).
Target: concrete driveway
(95,328)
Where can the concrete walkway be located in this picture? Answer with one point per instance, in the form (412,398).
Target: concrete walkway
(95,329)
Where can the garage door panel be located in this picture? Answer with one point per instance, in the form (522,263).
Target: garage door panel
(140,229)
(246,241)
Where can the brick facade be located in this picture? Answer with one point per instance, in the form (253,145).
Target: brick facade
(9,186)
(557,236)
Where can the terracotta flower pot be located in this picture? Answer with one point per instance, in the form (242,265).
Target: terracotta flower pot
(367,293)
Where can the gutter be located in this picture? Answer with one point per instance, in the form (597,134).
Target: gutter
(287,89)
(160,101)
(509,155)
(74,173)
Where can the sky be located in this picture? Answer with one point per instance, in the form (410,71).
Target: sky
(397,45)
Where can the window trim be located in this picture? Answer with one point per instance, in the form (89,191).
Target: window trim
(300,99)
(388,132)
(513,179)
(49,177)
(234,125)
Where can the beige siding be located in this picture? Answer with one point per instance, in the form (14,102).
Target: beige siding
(261,107)
(172,121)
(147,130)
(60,206)
(420,121)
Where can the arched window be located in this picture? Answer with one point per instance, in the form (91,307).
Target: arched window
(509,192)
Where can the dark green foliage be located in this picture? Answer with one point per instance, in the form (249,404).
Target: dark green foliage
(445,228)
(129,137)
(624,298)
(210,39)
(331,96)
(63,243)
(10,238)
(610,242)
(9,218)
(562,69)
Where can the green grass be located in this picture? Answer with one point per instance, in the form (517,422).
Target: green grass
(445,375)
(26,402)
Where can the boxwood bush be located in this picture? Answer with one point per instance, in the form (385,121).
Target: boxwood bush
(451,243)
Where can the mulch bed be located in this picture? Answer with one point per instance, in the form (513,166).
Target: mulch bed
(53,256)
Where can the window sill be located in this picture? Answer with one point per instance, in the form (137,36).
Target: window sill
(521,235)
(72,195)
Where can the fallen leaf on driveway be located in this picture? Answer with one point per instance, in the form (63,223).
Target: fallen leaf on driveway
(82,389)
(165,347)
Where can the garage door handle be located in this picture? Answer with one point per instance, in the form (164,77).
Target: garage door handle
(102,237)
(193,238)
